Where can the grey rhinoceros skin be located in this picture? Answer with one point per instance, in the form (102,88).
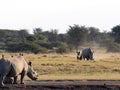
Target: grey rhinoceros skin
(86,54)
(13,67)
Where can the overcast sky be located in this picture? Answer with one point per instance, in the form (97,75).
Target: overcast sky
(58,14)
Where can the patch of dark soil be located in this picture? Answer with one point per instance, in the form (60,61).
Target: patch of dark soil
(64,85)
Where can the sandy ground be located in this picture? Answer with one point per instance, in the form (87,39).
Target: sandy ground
(64,85)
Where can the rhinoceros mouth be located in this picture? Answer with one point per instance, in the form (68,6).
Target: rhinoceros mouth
(31,76)
(35,78)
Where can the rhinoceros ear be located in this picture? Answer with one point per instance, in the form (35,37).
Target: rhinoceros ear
(30,63)
(21,54)
(2,56)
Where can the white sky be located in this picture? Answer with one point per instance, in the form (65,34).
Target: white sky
(58,14)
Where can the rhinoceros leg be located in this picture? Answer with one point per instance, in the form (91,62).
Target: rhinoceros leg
(80,57)
(22,77)
(2,77)
(15,80)
(87,57)
(8,80)
(83,57)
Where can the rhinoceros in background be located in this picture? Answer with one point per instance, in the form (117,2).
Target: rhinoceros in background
(13,67)
(86,54)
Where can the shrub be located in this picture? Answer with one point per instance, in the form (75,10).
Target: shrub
(29,47)
(113,47)
(62,48)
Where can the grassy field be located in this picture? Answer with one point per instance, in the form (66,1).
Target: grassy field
(106,66)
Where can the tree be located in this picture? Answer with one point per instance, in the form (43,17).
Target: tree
(62,48)
(52,35)
(31,38)
(62,37)
(41,39)
(76,35)
(37,30)
(116,33)
(93,34)
(23,33)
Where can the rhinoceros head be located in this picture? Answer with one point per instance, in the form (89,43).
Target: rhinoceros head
(31,73)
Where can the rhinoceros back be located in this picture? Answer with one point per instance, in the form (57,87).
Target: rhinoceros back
(86,51)
(18,65)
(5,66)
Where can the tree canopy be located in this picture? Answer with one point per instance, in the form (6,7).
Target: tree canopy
(51,41)
(77,35)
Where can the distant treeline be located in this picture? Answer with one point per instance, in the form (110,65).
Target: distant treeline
(50,41)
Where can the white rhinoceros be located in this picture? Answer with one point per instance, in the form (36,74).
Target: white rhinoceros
(86,53)
(16,66)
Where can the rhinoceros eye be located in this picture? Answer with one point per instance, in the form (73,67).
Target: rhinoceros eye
(33,72)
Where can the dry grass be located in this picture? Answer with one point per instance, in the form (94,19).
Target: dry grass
(66,67)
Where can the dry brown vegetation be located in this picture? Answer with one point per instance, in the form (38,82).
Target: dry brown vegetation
(66,67)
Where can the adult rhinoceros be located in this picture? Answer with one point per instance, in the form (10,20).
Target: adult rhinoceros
(86,54)
(16,66)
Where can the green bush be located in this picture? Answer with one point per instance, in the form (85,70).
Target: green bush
(29,47)
(62,48)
